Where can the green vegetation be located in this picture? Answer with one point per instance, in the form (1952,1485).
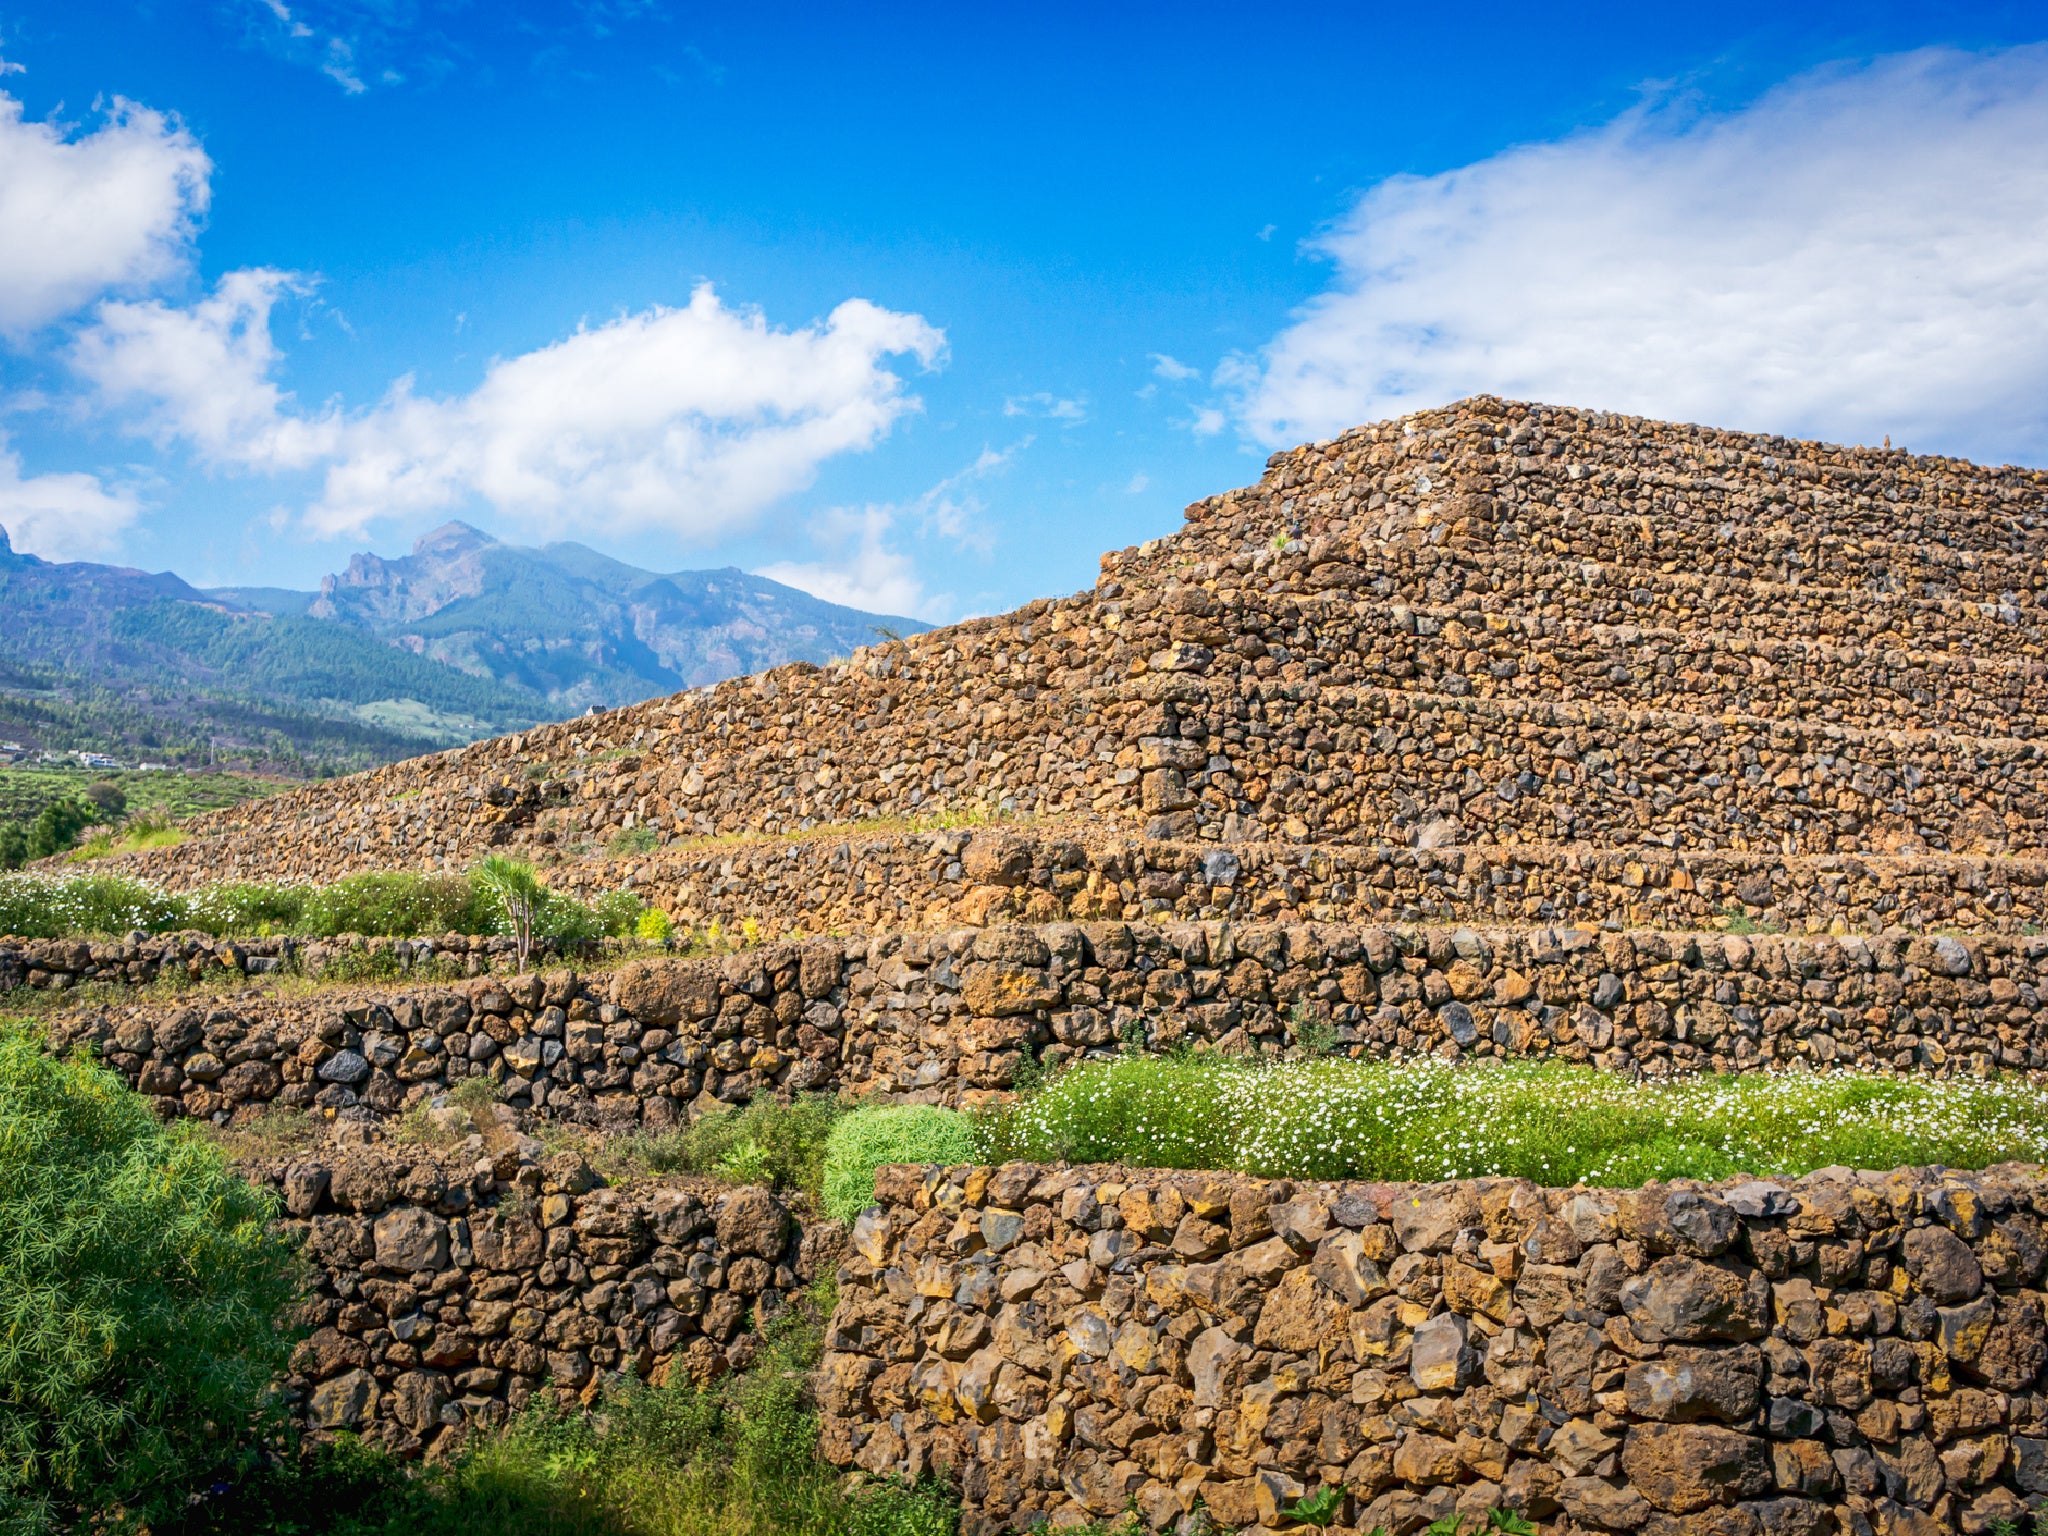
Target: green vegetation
(764,1142)
(519,895)
(25,791)
(55,828)
(1548,1121)
(737,1458)
(316,665)
(141,1286)
(162,714)
(391,904)
(43,811)
(142,1283)
(867,1139)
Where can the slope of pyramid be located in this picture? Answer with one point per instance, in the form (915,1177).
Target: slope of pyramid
(1573,652)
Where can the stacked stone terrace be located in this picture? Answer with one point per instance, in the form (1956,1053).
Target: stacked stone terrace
(1578,654)
(1502,730)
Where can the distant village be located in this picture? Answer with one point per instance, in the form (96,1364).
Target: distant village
(14,754)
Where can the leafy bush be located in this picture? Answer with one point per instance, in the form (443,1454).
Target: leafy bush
(765,1142)
(394,904)
(141,1287)
(866,1139)
(1548,1121)
(652,924)
(618,914)
(53,829)
(107,797)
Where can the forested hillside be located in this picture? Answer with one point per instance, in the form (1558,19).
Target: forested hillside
(463,638)
(145,666)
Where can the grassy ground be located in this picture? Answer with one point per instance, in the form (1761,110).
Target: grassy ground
(1551,1122)
(25,791)
(738,1458)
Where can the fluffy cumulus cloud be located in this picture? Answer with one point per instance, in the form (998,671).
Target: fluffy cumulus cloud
(689,420)
(863,563)
(862,569)
(60,516)
(1862,251)
(112,208)
(202,373)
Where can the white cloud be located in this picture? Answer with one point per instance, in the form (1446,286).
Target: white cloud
(87,212)
(689,420)
(203,373)
(1172,369)
(1206,421)
(1046,406)
(1862,251)
(1138,485)
(61,516)
(863,570)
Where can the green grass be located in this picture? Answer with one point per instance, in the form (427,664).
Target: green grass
(899,1133)
(140,840)
(25,791)
(1550,1122)
(738,1458)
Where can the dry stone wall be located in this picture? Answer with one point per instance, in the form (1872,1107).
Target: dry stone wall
(1853,1353)
(142,958)
(446,1288)
(950,1018)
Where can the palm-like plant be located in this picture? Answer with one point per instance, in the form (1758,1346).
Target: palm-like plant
(519,892)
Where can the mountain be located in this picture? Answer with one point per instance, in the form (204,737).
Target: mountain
(465,637)
(568,626)
(121,660)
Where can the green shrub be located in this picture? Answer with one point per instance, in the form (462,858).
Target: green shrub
(766,1142)
(402,905)
(618,914)
(393,904)
(866,1139)
(141,1289)
(653,924)
(58,826)
(737,1458)
(1170,1111)
(250,908)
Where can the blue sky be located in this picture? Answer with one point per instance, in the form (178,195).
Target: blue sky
(924,310)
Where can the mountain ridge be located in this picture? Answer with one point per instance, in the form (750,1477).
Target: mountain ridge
(464,637)
(608,632)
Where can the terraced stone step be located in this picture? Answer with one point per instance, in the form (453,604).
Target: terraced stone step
(1598,592)
(950,1017)
(1376,765)
(1245,757)
(1438,648)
